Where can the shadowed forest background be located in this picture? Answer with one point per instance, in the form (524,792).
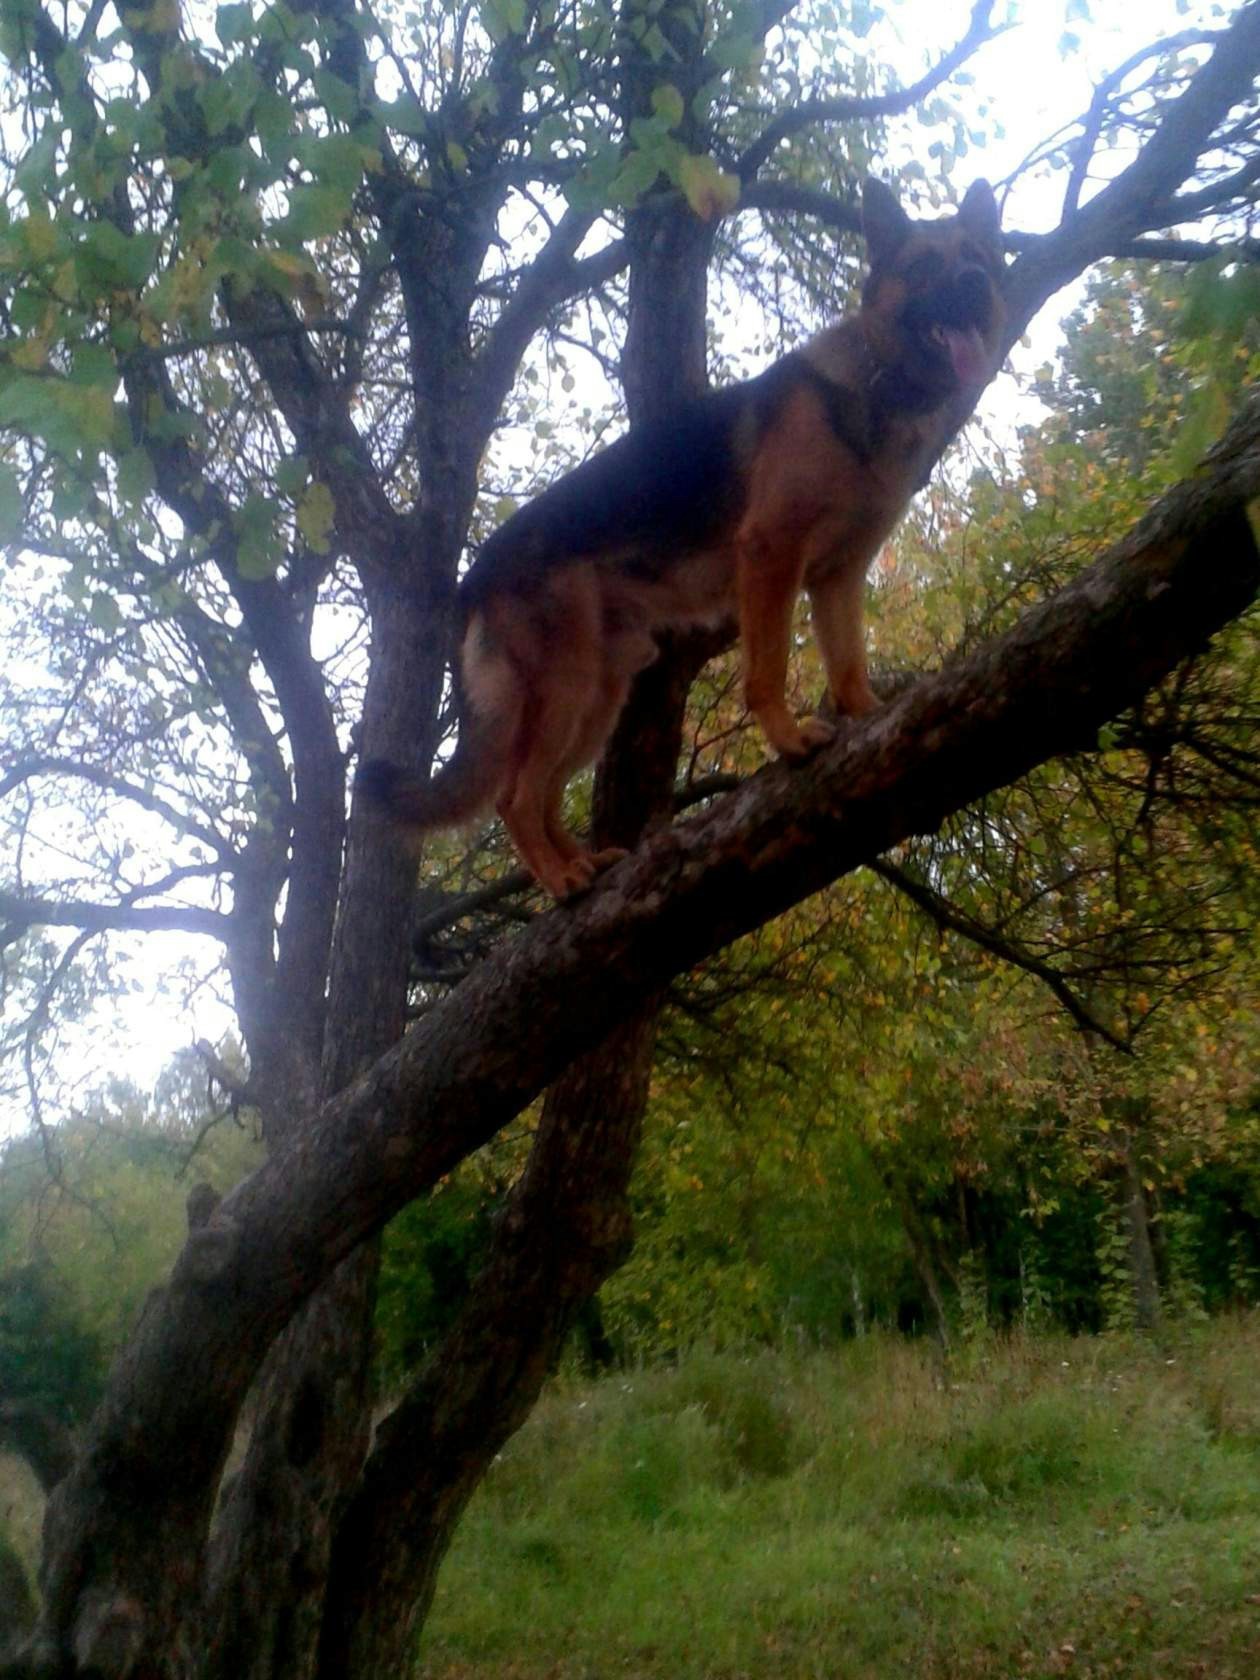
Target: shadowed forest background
(935,1347)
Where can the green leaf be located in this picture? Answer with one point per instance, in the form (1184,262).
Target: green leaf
(38,234)
(667,102)
(228,99)
(340,98)
(12,511)
(68,417)
(92,364)
(108,259)
(315,212)
(258,549)
(273,118)
(292,474)
(233,23)
(655,44)
(734,52)
(635,177)
(336,160)
(35,176)
(315,515)
(503,17)
(135,476)
(406,115)
(104,613)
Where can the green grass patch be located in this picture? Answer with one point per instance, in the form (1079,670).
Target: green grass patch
(1087,1507)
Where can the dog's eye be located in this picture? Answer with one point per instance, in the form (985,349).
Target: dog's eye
(926,269)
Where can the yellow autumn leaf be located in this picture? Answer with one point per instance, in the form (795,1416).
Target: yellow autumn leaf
(29,354)
(303,279)
(710,191)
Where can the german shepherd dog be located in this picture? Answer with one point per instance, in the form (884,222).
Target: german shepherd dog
(732,505)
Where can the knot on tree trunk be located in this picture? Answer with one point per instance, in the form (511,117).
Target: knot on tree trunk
(202,1200)
(209,1252)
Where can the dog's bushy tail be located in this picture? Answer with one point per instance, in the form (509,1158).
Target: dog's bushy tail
(462,790)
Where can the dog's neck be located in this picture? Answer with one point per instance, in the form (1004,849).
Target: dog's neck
(866,396)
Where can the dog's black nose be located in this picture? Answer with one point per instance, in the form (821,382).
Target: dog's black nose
(969,302)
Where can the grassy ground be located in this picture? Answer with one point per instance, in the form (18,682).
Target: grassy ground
(1086,1508)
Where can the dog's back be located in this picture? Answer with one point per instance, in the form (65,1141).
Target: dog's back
(661,491)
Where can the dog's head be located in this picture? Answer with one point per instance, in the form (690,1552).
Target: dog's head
(931,305)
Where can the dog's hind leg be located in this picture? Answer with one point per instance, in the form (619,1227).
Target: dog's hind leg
(530,806)
(560,652)
(621,659)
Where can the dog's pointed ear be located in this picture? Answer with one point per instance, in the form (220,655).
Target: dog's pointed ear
(885,225)
(980,215)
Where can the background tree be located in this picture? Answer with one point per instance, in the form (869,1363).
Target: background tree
(269,299)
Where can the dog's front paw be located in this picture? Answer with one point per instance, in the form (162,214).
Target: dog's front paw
(816,732)
(797,742)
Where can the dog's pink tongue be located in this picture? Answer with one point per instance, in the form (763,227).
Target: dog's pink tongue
(966,351)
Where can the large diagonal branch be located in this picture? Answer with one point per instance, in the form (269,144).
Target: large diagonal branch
(156,1446)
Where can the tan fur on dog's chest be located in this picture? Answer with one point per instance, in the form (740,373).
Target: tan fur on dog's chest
(804,478)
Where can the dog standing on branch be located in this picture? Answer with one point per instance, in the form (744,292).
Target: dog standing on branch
(732,505)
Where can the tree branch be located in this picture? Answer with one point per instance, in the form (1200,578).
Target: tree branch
(1138,200)
(20,914)
(44,764)
(554,277)
(945,916)
(786,198)
(811,111)
(1091,127)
